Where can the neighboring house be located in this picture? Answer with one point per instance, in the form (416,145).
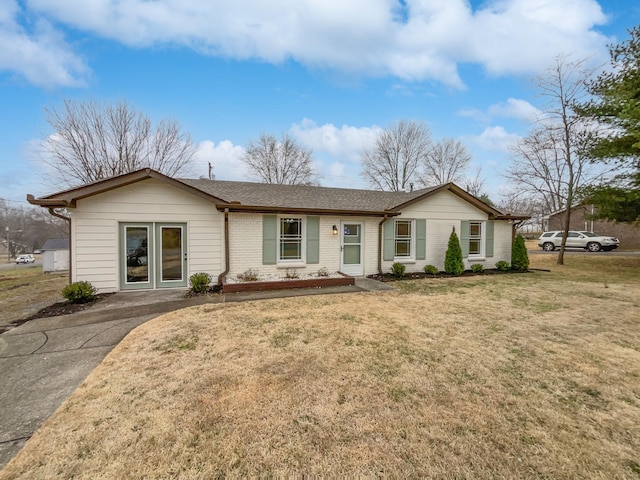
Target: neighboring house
(144,230)
(628,234)
(55,255)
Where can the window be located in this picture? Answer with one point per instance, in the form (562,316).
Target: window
(403,238)
(475,238)
(290,239)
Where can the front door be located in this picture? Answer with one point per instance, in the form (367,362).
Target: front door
(152,255)
(351,249)
(171,258)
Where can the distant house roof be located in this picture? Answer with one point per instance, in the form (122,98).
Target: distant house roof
(264,198)
(56,244)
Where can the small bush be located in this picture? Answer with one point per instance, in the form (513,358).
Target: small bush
(398,269)
(323,272)
(249,275)
(200,282)
(292,274)
(430,269)
(503,266)
(79,292)
(519,255)
(453,263)
(477,268)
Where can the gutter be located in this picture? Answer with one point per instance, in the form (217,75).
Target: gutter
(68,220)
(226,248)
(239,208)
(386,217)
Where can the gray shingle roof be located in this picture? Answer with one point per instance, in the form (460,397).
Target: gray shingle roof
(302,196)
(56,244)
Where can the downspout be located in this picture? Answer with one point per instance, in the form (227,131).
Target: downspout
(226,247)
(386,217)
(68,220)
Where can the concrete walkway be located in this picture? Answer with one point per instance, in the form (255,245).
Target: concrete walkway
(44,360)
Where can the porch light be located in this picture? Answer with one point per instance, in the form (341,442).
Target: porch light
(335,230)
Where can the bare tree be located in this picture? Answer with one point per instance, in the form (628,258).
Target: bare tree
(396,156)
(282,162)
(92,141)
(547,163)
(444,163)
(27,228)
(474,185)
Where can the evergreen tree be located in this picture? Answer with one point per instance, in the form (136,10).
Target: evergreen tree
(615,106)
(453,263)
(519,255)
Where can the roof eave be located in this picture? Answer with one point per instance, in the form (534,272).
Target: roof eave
(508,216)
(68,198)
(238,208)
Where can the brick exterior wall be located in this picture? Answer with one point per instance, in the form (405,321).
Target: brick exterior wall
(629,235)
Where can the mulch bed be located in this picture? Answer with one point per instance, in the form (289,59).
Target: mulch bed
(389,277)
(54,310)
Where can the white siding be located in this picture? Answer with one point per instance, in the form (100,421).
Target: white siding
(444,211)
(96,219)
(245,238)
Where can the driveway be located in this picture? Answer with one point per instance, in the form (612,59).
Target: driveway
(44,360)
(620,253)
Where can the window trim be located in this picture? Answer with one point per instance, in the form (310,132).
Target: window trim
(303,242)
(412,240)
(482,238)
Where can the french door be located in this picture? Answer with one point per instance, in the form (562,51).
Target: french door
(152,255)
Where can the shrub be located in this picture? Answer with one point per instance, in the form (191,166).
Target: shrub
(503,266)
(79,292)
(398,269)
(430,269)
(200,282)
(477,268)
(453,263)
(291,274)
(249,275)
(323,272)
(519,255)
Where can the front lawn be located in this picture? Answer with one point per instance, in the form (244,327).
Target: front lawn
(24,290)
(513,376)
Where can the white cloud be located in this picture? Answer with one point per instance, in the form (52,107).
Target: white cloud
(515,108)
(495,139)
(345,143)
(226,159)
(39,54)
(428,40)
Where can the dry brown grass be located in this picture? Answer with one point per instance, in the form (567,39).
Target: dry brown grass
(516,376)
(25,290)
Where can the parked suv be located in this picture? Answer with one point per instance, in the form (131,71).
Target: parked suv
(589,241)
(25,258)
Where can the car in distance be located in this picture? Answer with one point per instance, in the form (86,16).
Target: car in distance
(589,241)
(25,258)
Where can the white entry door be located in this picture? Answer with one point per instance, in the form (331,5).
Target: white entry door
(351,248)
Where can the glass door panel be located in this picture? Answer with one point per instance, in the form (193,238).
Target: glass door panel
(137,259)
(351,258)
(171,254)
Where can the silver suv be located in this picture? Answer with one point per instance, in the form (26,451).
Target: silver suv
(589,241)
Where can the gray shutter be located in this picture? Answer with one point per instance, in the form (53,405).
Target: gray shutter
(389,244)
(488,249)
(313,239)
(269,239)
(421,239)
(464,238)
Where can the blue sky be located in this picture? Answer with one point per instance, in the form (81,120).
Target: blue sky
(331,73)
